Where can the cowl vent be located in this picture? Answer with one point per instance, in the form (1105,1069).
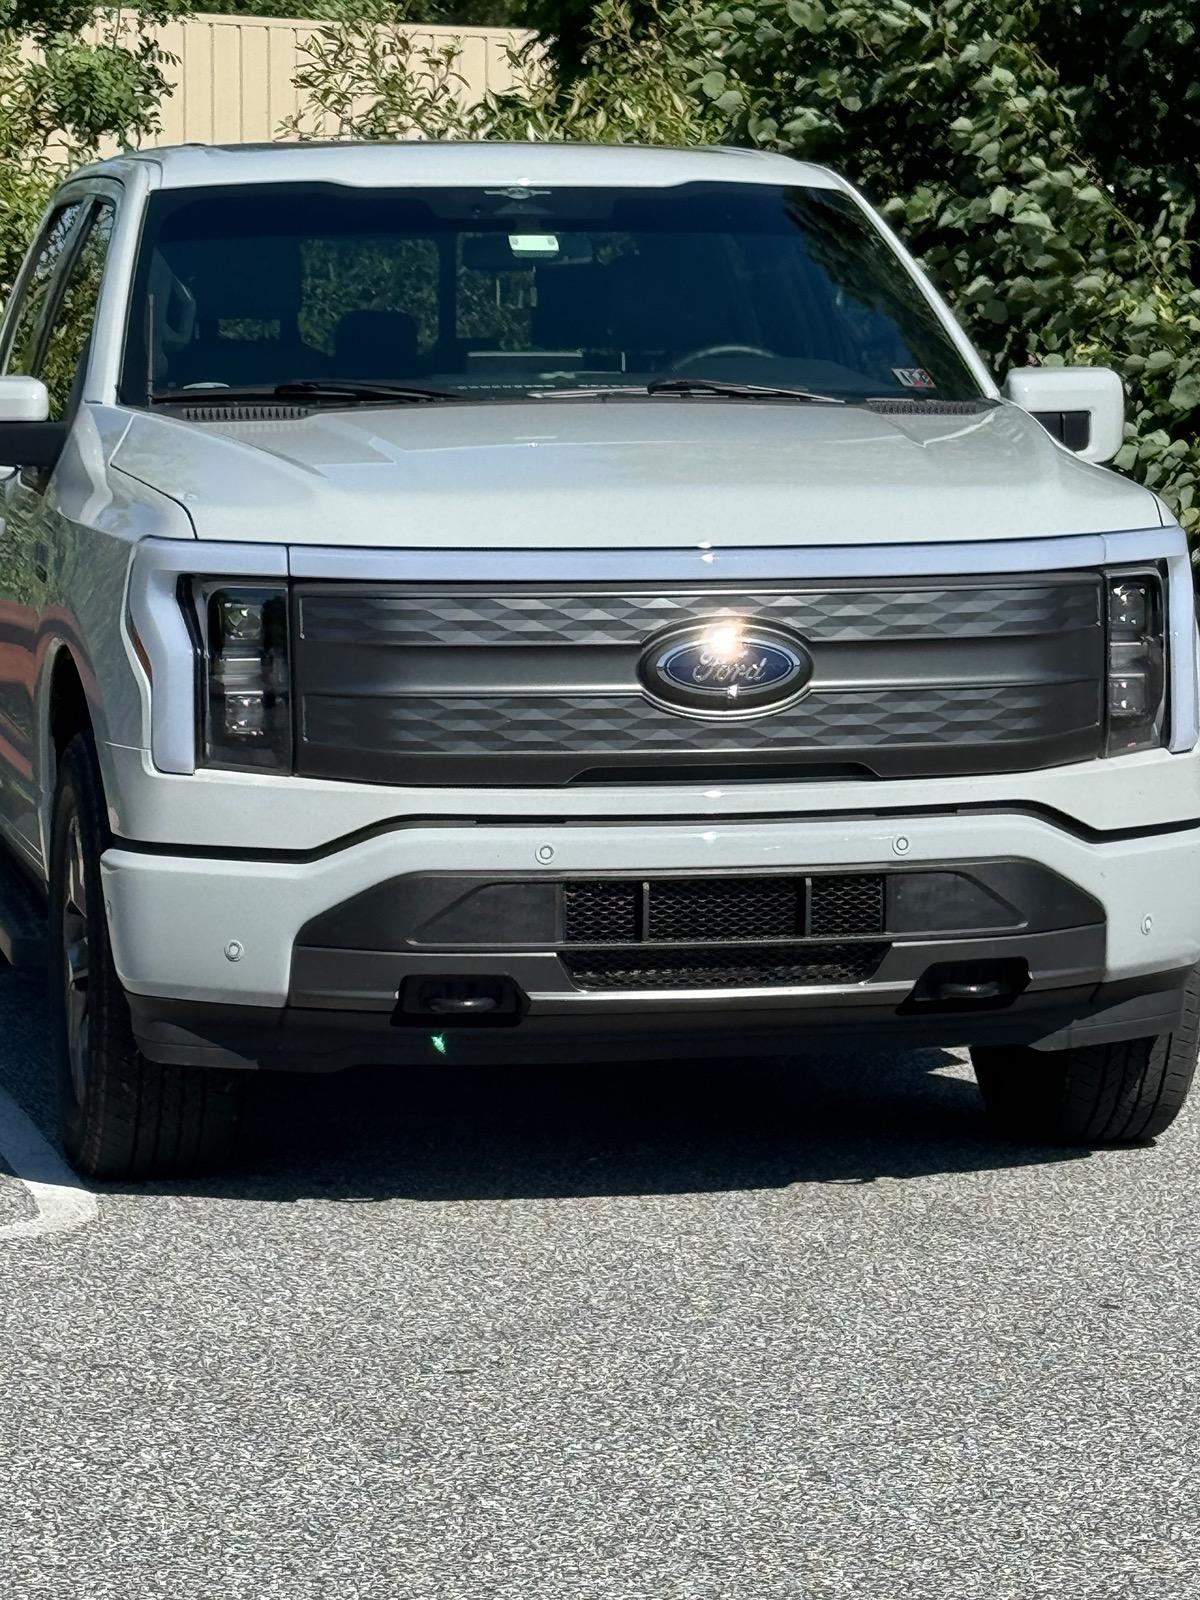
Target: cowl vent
(902,406)
(245,411)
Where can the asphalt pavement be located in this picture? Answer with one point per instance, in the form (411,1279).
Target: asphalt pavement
(801,1331)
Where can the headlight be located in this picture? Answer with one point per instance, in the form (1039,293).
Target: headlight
(1136,679)
(245,689)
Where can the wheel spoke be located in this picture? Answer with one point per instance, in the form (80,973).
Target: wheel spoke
(76,879)
(77,963)
(76,958)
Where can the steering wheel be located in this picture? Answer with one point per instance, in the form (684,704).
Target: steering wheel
(721,350)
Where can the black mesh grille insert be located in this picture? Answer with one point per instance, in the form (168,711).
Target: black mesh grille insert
(745,967)
(725,910)
(734,910)
(601,912)
(842,905)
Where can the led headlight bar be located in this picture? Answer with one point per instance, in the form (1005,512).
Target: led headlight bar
(245,691)
(1137,694)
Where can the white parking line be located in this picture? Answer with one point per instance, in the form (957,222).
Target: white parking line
(61,1203)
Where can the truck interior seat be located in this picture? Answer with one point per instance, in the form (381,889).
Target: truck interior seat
(377,344)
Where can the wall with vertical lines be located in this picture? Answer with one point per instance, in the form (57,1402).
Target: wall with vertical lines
(232,76)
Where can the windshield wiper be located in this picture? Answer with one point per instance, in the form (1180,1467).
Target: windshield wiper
(353,388)
(738,391)
(588,392)
(346,391)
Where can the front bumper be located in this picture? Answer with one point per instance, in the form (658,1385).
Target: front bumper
(213,948)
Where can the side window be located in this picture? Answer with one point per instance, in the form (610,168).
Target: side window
(27,315)
(71,323)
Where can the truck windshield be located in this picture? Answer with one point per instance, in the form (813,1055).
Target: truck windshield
(491,293)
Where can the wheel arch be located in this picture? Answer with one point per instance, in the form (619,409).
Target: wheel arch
(68,703)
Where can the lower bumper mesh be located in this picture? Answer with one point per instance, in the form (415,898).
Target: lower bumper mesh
(723,910)
(745,967)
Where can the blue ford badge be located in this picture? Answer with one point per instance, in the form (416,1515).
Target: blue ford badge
(725,667)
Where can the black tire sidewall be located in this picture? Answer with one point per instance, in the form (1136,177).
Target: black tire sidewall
(110,1041)
(1124,1092)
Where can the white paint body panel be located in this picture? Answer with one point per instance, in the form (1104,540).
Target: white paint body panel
(173,917)
(243,811)
(592,476)
(417,164)
(23,400)
(1096,390)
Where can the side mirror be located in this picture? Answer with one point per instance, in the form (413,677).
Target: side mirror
(27,439)
(23,400)
(1083,407)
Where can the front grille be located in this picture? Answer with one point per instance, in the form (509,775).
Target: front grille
(733,910)
(842,905)
(541,685)
(728,910)
(600,728)
(602,913)
(746,967)
(484,616)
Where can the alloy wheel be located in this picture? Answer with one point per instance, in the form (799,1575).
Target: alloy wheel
(76,960)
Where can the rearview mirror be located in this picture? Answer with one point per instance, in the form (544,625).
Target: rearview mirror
(511,252)
(1083,407)
(26,438)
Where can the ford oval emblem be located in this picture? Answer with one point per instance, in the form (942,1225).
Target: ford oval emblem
(726,667)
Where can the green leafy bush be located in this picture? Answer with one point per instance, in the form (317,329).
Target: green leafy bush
(957,124)
(1133,69)
(439,13)
(365,77)
(60,101)
(569,26)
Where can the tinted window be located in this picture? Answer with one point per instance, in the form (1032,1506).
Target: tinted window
(496,291)
(27,316)
(74,315)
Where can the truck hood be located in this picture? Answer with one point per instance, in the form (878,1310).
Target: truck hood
(582,474)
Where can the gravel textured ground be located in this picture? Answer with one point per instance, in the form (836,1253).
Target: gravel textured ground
(807,1332)
(15,1203)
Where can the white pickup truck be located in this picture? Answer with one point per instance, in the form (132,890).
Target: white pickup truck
(529,602)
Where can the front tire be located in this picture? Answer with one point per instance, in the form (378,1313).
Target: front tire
(122,1116)
(1100,1094)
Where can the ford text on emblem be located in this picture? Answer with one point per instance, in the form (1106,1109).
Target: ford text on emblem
(725,668)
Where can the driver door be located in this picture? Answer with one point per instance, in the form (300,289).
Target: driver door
(19,599)
(51,336)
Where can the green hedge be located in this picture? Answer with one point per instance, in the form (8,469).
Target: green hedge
(1053,243)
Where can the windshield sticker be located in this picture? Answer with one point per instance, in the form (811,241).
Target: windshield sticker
(533,244)
(913,377)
